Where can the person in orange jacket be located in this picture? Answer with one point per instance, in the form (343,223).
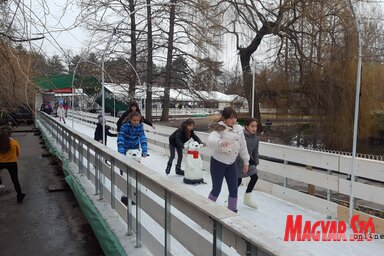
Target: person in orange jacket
(9,152)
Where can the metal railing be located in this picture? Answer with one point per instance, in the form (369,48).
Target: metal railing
(159,202)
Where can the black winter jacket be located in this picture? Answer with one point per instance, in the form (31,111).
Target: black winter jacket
(179,137)
(99,133)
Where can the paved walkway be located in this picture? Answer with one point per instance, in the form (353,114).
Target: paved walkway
(46,223)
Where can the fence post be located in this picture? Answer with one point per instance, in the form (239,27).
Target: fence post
(138,210)
(285,184)
(100,176)
(217,238)
(251,249)
(329,192)
(129,205)
(112,160)
(88,160)
(97,163)
(80,159)
(311,188)
(167,224)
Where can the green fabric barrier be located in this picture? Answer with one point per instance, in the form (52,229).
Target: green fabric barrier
(107,239)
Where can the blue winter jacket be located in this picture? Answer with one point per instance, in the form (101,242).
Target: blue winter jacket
(131,137)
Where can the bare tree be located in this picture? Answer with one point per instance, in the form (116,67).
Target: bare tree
(168,70)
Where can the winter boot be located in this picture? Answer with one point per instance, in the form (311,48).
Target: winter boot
(179,171)
(232,203)
(212,197)
(168,169)
(249,201)
(20,198)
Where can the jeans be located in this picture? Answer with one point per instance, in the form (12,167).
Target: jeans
(172,156)
(219,171)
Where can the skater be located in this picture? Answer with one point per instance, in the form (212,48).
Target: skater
(61,113)
(250,129)
(99,131)
(133,106)
(9,152)
(227,142)
(46,108)
(131,135)
(176,142)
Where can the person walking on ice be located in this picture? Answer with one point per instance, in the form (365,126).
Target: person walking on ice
(61,113)
(227,142)
(250,129)
(176,142)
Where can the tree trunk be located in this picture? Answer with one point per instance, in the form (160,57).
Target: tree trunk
(133,80)
(245,58)
(168,67)
(148,103)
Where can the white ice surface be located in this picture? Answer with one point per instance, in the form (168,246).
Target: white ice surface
(271,213)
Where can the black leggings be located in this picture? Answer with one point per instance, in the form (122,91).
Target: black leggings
(12,169)
(251,183)
(172,156)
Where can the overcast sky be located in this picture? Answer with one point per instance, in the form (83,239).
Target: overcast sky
(61,35)
(60,29)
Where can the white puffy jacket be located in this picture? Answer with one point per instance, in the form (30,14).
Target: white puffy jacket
(60,112)
(234,136)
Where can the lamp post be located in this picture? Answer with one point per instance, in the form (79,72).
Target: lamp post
(253,89)
(357,102)
(102,83)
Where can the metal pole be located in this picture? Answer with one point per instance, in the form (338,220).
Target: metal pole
(253,89)
(102,83)
(357,101)
(114,104)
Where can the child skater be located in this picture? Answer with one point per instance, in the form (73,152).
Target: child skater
(176,142)
(99,131)
(9,152)
(226,141)
(250,129)
(133,106)
(61,113)
(132,136)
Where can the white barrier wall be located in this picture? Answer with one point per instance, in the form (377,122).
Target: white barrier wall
(308,166)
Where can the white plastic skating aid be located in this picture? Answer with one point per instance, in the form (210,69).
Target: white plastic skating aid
(193,166)
(135,154)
